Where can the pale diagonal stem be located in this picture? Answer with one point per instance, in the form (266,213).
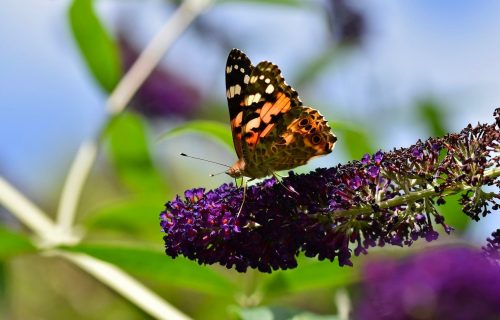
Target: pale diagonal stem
(75,180)
(118,100)
(124,284)
(153,52)
(25,210)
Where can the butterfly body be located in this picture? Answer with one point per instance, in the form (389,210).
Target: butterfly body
(271,129)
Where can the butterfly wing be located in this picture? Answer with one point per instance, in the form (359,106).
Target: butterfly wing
(307,135)
(238,71)
(278,132)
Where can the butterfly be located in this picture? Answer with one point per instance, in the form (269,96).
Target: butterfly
(271,129)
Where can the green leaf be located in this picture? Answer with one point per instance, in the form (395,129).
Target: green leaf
(12,243)
(453,213)
(156,266)
(310,275)
(279,313)
(129,151)
(433,115)
(353,139)
(4,290)
(137,217)
(261,313)
(98,49)
(218,130)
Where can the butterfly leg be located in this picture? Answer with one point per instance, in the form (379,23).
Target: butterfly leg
(290,189)
(245,183)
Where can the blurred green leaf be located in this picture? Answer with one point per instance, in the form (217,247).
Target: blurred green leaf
(433,116)
(129,151)
(4,293)
(156,266)
(453,214)
(217,130)
(99,50)
(355,140)
(130,216)
(310,275)
(279,313)
(261,313)
(12,243)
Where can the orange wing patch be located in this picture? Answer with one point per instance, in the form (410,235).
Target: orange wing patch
(266,130)
(270,109)
(261,126)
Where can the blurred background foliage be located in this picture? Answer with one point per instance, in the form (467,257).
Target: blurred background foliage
(384,73)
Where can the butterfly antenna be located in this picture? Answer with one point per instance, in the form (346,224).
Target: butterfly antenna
(220,164)
(216,174)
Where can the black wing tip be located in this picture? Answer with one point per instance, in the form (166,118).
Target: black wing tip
(237,54)
(235,51)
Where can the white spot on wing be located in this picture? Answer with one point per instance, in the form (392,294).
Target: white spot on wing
(253,98)
(237,89)
(256,97)
(246,79)
(270,89)
(261,77)
(231,91)
(267,80)
(253,79)
(236,66)
(229,69)
(242,70)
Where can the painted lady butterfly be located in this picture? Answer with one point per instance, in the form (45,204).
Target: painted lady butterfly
(272,130)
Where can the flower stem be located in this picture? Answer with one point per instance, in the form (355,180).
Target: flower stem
(24,210)
(124,284)
(414,196)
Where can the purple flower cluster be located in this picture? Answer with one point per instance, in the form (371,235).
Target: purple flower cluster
(347,22)
(387,198)
(445,283)
(492,248)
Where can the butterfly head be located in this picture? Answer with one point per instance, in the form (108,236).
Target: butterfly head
(237,170)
